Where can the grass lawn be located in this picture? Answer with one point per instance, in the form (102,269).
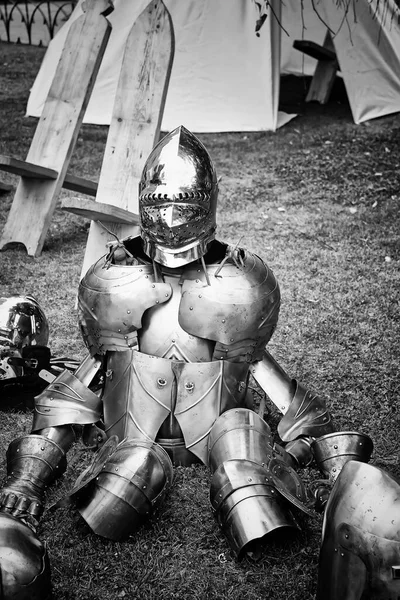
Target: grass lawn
(319,201)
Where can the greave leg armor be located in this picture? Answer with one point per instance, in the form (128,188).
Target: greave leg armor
(124,490)
(252,480)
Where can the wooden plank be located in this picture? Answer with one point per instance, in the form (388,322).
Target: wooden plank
(322,82)
(58,127)
(324,75)
(98,211)
(29,170)
(80,185)
(26,169)
(314,50)
(136,120)
(5,187)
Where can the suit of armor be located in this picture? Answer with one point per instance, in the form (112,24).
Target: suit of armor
(178,322)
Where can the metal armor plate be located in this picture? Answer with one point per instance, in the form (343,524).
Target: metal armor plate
(204,391)
(360,553)
(137,394)
(112,301)
(65,401)
(142,390)
(238,306)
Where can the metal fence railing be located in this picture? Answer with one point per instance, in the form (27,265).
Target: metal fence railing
(33,21)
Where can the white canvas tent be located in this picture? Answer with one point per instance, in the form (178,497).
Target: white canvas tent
(225,78)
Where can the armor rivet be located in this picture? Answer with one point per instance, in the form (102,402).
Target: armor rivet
(144,487)
(336,446)
(17,449)
(173,341)
(272,491)
(342,554)
(360,443)
(334,469)
(140,270)
(157,302)
(231,339)
(42,448)
(249,479)
(153,285)
(198,270)
(51,398)
(336,550)
(116,468)
(347,536)
(223,320)
(166,295)
(197,280)
(190,307)
(146,276)
(161,381)
(129,312)
(200,296)
(119,331)
(125,337)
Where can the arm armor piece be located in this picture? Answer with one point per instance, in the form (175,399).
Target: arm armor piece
(304,413)
(235,305)
(65,401)
(307,416)
(251,478)
(118,494)
(332,451)
(33,463)
(360,552)
(112,301)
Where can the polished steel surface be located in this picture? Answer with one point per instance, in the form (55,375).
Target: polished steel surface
(250,473)
(239,434)
(33,463)
(332,451)
(360,552)
(24,562)
(112,301)
(162,333)
(237,305)
(279,387)
(22,322)
(138,394)
(141,392)
(66,401)
(177,199)
(300,450)
(127,490)
(307,415)
(204,391)
(252,515)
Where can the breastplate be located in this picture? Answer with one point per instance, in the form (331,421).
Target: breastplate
(161,335)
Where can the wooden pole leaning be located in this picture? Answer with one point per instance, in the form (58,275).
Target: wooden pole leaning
(134,130)
(42,174)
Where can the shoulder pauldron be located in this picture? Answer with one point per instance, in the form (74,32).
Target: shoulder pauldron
(235,304)
(112,301)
